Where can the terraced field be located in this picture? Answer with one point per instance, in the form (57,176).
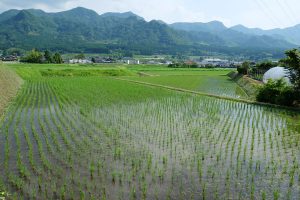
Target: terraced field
(101,138)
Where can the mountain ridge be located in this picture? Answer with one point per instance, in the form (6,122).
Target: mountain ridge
(82,29)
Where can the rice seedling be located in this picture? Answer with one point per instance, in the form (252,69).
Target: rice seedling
(101,138)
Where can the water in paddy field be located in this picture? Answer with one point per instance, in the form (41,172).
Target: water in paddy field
(216,84)
(176,147)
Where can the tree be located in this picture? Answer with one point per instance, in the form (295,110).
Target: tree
(80,56)
(48,57)
(243,69)
(265,65)
(14,51)
(33,56)
(57,58)
(292,63)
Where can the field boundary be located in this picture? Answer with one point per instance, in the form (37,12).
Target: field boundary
(209,95)
(14,84)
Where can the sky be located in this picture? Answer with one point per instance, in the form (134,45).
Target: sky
(266,14)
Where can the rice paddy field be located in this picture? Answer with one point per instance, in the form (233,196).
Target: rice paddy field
(76,134)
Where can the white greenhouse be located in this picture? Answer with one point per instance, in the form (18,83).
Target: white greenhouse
(276,73)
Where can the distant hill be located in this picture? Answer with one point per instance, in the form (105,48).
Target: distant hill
(291,34)
(83,30)
(214,26)
(121,15)
(238,36)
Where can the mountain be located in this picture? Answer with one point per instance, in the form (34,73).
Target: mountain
(121,15)
(83,30)
(246,30)
(236,36)
(290,34)
(200,27)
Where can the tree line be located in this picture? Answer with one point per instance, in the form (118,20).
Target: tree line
(35,56)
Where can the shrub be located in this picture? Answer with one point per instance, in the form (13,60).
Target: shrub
(277,92)
(33,56)
(183,65)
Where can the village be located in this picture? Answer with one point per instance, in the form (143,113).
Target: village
(210,62)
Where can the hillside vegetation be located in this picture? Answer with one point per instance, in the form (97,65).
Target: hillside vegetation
(83,30)
(10,82)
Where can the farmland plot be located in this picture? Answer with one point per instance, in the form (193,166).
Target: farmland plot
(211,82)
(100,138)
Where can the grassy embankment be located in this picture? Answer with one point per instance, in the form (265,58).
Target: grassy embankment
(10,83)
(249,85)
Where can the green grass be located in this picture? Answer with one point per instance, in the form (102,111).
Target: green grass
(9,85)
(94,91)
(85,72)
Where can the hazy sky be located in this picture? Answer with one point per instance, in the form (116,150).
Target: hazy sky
(252,13)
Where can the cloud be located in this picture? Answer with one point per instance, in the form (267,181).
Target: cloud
(48,5)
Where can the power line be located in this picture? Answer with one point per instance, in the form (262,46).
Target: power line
(266,13)
(272,13)
(293,13)
(285,10)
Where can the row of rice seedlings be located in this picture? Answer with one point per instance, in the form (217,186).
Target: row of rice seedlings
(68,162)
(251,147)
(8,123)
(17,180)
(75,128)
(170,144)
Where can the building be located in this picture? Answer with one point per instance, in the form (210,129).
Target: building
(277,73)
(215,62)
(10,58)
(129,61)
(103,60)
(80,61)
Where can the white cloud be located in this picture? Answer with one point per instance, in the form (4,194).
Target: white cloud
(252,13)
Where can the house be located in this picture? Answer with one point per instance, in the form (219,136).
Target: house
(131,61)
(103,60)
(214,62)
(80,61)
(10,58)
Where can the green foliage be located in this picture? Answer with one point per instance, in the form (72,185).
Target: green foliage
(292,63)
(14,51)
(183,65)
(277,92)
(48,57)
(85,73)
(80,56)
(33,56)
(57,58)
(243,69)
(266,65)
(82,30)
